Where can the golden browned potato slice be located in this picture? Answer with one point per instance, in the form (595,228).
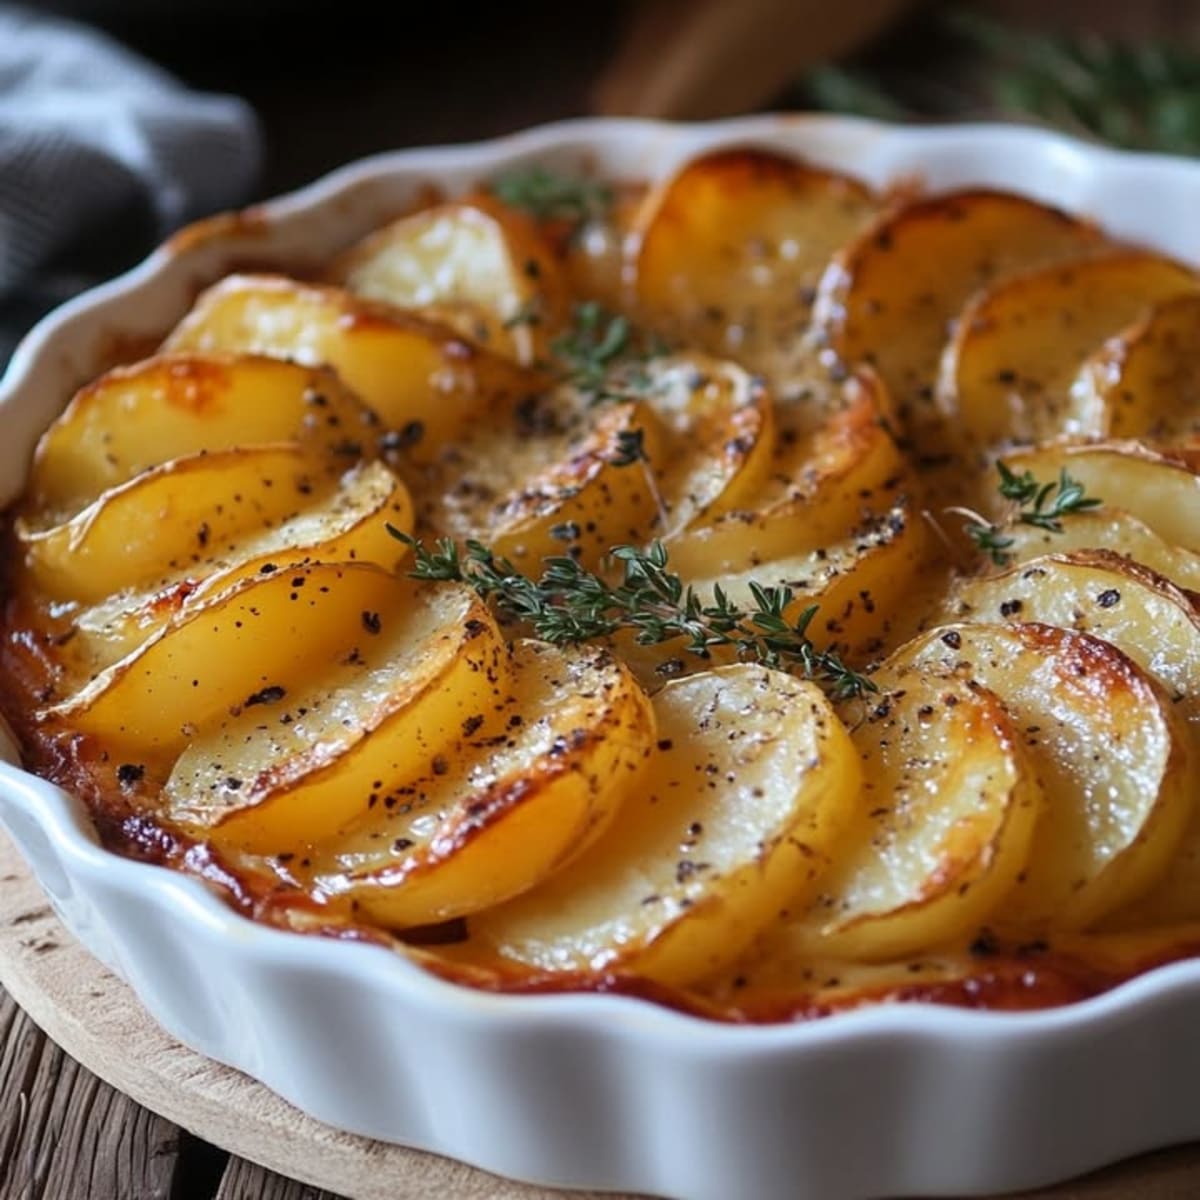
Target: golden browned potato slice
(859,585)
(246,647)
(168,407)
(352,731)
(524,793)
(944,828)
(349,525)
(1175,897)
(740,811)
(889,297)
(1112,754)
(779,978)
(1112,529)
(476,264)
(592,500)
(1161,491)
(1006,375)
(1141,613)
(551,477)
(732,246)
(819,489)
(164,519)
(549,494)
(422,379)
(1145,382)
(717,440)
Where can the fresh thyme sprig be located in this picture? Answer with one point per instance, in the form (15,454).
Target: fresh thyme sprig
(1142,95)
(590,350)
(603,355)
(1138,94)
(1051,501)
(550,196)
(569,604)
(1042,505)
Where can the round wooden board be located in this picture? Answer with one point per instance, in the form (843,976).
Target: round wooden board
(97,1019)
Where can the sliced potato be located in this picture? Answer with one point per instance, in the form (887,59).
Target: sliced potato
(476,264)
(780,979)
(171,406)
(349,525)
(247,646)
(596,255)
(1101,593)
(945,823)
(862,588)
(731,247)
(891,295)
(422,379)
(493,819)
(554,478)
(590,500)
(165,518)
(741,810)
(1175,897)
(1112,754)
(1145,381)
(1006,375)
(1159,490)
(859,585)
(352,732)
(718,436)
(1108,529)
(819,490)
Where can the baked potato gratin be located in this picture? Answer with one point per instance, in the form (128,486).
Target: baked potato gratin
(753,592)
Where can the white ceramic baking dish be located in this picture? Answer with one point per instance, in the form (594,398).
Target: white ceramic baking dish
(601,1091)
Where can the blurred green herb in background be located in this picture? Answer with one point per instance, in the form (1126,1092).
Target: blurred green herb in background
(1143,96)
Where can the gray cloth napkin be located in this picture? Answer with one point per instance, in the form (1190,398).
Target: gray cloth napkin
(101,155)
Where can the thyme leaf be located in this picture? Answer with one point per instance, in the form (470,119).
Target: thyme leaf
(1050,501)
(1042,505)
(603,356)
(570,604)
(550,196)
(1138,93)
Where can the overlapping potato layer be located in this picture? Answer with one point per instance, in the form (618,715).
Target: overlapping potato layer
(807,387)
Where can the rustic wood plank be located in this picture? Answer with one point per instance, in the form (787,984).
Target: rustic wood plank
(65,1134)
(246,1181)
(20,1049)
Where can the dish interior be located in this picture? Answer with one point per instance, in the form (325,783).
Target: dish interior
(872,707)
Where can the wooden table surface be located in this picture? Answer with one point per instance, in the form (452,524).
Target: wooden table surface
(325,96)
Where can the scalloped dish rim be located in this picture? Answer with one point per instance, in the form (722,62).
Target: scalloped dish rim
(52,830)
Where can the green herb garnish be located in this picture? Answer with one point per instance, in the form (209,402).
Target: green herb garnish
(1042,505)
(958,62)
(588,351)
(603,356)
(549,196)
(569,604)
(1050,501)
(1139,95)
